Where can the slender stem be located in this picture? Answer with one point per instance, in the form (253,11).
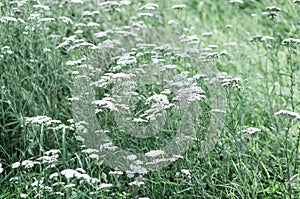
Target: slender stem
(297,152)
(292,77)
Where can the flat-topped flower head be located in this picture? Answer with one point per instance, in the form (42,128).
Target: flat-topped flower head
(1,169)
(251,130)
(273,8)
(288,113)
(236,1)
(154,153)
(149,6)
(290,41)
(178,7)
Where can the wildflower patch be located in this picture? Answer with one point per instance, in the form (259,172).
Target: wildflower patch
(148,83)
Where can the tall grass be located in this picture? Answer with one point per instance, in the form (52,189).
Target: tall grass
(254,45)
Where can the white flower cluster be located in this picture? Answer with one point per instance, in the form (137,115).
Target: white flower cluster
(40,120)
(149,6)
(47,121)
(159,103)
(107,103)
(66,20)
(251,130)
(272,12)
(236,1)
(138,181)
(288,113)
(261,38)
(78,173)
(7,19)
(126,59)
(178,7)
(189,39)
(110,6)
(112,78)
(92,153)
(6,50)
(190,94)
(1,169)
(229,81)
(290,41)
(50,157)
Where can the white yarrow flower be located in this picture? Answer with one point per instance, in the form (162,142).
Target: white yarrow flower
(1,169)
(6,19)
(178,7)
(66,20)
(290,41)
(125,2)
(90,151)
(154,153)
(116,173)
(131,157)
(288,113)
(136,183)
(72,63)
(100,34)
(70,185)
(29,163)
(149,6)
(94,156)
(251,130)
(47,19)
(126,60)
(265,38)
(139,120)
(77,1)
(15,165)
(186,172)
(23,195)
(145,14)
(273,8)
(41,6)
(93,24)
(69,173)
(53,175)
(104,185)
(52,152)
(236,1)
(38,120)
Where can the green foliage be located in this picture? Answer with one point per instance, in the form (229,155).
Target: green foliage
(249,42)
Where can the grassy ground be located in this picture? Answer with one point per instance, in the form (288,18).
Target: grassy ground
(254,45)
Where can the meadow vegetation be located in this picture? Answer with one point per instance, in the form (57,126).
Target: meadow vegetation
(252,47)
